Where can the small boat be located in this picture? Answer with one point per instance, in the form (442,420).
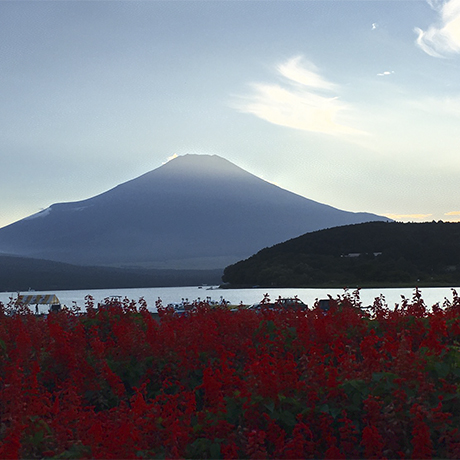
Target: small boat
(40,299)
(287,303)
(182,307)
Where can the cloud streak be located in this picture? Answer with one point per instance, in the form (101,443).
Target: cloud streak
(386,73)
(408,216)
(303,102)
(294,71)
(440,106)
(442,39)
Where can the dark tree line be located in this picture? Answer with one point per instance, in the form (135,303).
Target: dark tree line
(20,274)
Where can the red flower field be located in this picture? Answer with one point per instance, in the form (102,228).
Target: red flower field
(116,382)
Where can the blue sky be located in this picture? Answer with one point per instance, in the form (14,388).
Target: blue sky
(355,104)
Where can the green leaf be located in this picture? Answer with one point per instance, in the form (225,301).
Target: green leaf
(324,408)
(214,450)
(234,411)
(270,326)
(288,418)
(37,438)
(356,400)
(332,411)
(335,411)
(198,448)
(450,397)
(377,376)
(456,371)
(442,369)
(77,450)
(270,406)
(352,386)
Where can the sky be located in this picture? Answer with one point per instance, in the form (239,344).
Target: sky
(355,104)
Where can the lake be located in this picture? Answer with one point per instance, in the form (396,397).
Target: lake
(392,296)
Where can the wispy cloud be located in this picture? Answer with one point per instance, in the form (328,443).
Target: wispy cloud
(443,105)
(442,38)
(453,216)
(307,74)
(306,100)
(408,216)
(386,73)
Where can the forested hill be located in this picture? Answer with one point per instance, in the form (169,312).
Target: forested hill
(369,254)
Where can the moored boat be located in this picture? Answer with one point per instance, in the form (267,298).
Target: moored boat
(40,299)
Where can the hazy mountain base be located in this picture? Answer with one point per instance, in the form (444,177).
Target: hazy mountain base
(375,254)
(20,274)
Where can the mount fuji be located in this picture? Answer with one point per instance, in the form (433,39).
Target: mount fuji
(194,212)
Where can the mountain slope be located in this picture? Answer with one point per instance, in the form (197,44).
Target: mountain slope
(368,254)
(196,211)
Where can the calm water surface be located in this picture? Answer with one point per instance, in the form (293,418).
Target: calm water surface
(167,295)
